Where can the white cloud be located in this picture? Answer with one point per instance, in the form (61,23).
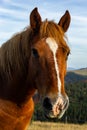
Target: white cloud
(7,1)
(14,13)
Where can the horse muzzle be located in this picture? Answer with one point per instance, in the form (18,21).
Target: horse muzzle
(55,108)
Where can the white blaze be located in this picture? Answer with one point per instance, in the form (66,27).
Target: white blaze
(54,46)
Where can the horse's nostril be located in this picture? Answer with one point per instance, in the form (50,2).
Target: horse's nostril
(47,103)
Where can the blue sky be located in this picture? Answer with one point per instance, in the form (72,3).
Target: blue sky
(14,17)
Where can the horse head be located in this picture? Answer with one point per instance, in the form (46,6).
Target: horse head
(48,62)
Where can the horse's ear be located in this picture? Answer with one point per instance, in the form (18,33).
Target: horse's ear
(65,21)
(35,20)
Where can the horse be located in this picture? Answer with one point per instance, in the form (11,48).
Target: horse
(34,60)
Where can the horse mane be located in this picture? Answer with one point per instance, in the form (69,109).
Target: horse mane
(13,55)
(51,29)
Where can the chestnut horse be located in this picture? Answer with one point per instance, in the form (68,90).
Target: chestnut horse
(34,59)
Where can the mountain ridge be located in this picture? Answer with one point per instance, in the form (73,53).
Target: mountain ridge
(81,71)
(79,75)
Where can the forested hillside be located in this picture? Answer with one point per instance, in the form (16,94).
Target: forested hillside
(76,87)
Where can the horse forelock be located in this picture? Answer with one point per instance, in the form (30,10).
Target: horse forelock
(51,29)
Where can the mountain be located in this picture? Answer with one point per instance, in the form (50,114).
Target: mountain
(82,71)
(76,75)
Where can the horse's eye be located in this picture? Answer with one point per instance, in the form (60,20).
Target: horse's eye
(35,53)
(67,55)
